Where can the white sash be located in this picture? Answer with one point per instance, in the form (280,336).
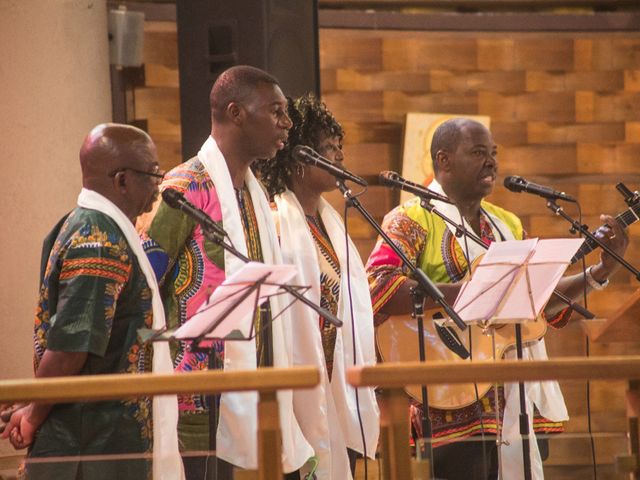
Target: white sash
(328,413)
(167,463)
(544,395)
(452,212)
(237,430)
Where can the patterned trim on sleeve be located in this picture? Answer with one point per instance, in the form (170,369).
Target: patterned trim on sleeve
(110,269)
(384,267)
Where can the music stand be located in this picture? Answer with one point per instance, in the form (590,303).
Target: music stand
(512,284)
(241,294)
(623,327)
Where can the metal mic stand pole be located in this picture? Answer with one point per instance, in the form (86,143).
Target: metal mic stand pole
(425,287)
(575,226)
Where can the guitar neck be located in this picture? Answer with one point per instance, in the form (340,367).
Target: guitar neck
(625,219)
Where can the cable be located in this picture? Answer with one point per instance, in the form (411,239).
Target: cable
(587,353)
(353,336)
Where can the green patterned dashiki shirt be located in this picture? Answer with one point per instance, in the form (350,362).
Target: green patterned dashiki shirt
(93,298)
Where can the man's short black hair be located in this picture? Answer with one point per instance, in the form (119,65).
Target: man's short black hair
(235,85)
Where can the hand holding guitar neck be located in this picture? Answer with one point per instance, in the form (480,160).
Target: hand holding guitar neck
(612,234)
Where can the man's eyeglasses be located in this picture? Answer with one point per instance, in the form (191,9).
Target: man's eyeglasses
(157,173)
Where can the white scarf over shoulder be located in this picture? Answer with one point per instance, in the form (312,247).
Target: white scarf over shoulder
(237,430)
(328,414)
(167,463)
(544,395)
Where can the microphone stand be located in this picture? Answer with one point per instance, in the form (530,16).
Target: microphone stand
(424,288)
(576,227)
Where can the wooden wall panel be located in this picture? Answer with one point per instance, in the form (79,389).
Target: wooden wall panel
(504,82)
(547,132)
(449,53)
(561,81)
(397,104)
(158,102)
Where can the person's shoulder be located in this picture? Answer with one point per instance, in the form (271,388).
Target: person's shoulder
(407,217)
(511,219)
(87,228)
(187,176)
(413,209)
(500,212)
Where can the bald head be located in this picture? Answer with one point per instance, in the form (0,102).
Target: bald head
(236,84)
(114,159)
(447,136)
(112,146)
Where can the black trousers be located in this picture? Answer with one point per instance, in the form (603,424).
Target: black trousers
(472,460)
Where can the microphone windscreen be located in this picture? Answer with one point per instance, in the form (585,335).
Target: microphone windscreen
(299,152)
(514,183)
(388,178)
(172,197)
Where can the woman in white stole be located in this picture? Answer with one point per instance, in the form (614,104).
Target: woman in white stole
(338,421)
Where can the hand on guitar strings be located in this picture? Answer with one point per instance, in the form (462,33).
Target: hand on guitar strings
(617,239)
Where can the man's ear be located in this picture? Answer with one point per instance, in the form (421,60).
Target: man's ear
(120,180)
(235,112)
(443,162)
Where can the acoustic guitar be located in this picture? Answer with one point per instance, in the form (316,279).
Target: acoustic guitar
(396,340)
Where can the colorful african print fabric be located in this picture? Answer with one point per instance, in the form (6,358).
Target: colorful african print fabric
(189,267)
(329,287)
(427,242)
(94,298)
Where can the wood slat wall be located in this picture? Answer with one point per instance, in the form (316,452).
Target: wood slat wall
(565,111)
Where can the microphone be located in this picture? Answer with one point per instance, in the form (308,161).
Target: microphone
(175,199)
(309,156)
(392,179)
(519,184)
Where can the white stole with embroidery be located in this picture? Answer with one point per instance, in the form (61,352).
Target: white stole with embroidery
(328,414)
(544,395)
(167,463)
(237,430)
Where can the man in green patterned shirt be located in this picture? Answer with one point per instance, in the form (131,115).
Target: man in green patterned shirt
(94,296)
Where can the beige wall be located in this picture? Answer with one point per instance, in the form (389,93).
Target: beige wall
(54,87)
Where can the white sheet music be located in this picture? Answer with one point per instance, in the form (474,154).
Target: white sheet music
(228,293)
(514,280)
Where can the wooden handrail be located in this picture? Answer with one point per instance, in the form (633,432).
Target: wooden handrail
(111,387)
(395,376)
(429,373)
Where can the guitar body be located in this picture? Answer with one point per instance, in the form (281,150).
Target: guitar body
(397,341)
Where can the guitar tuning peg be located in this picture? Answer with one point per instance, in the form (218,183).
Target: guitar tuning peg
(631,198)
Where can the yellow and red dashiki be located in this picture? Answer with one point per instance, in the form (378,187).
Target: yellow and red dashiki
(427,242)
